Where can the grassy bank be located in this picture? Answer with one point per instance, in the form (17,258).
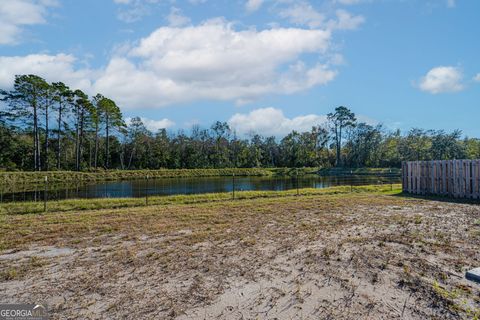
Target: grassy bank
(112,203)
(20,178)
(359,171)
(28,177)
(294,171)
(9,177)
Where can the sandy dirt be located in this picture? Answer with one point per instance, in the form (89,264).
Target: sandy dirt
(324,257)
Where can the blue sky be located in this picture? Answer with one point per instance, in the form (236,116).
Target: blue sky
(264,66)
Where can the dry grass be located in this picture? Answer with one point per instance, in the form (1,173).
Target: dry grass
(357,255)
(12,208)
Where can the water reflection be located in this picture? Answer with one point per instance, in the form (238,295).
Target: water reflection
(175,186)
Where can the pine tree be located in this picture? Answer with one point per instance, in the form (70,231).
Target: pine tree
(112,119)
(62,95)
(25,103)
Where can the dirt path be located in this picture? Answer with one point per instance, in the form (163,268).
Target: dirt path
(324,257)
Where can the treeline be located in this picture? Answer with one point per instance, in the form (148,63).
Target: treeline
(48,126)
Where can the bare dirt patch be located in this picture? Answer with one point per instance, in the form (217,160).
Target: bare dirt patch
(320,257)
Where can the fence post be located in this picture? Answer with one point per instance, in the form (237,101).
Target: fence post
(352,181)
(45,195)
(298,191)
(233,186)
(146,191)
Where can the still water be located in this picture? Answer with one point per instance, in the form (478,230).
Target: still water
(197,185)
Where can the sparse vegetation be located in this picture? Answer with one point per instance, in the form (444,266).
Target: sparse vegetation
(359,171)
(112,203)
(330,252)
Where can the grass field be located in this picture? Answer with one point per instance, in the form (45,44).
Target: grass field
(359,171)
(333,254)
(112,203)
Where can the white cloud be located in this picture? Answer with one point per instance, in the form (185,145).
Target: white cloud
(253,5)
(211,61)
(346,21)
(154,125)
(134,10)
(176,19)
(352,2)
(58,67)
(14,15)
(195,2)
(366,119)
(441,80)
(191,123)
(477,77)
(302,13)
(214,61)
(271,121)
(337,59)
(299,77)
(134,86)
(451,3)
(348,2)
(132,14)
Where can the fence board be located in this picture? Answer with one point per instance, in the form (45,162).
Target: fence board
(455,178)
(474,182)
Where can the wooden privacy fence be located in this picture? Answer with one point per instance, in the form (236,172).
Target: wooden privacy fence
(454,178)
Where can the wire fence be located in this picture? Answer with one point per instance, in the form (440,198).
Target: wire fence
(45,190)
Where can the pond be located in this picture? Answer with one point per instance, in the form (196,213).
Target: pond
(197,185)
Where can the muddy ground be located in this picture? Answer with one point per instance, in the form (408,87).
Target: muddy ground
(359,256)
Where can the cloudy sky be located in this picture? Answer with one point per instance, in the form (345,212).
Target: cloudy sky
(266,66)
